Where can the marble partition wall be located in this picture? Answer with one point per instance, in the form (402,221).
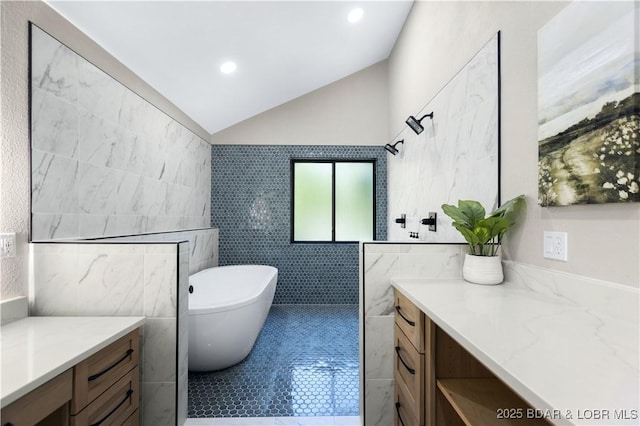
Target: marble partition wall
(379,262)
(202,245)
(104,161)
(111,279)
(455,157)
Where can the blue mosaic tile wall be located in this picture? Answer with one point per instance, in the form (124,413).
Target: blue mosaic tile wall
(251,207)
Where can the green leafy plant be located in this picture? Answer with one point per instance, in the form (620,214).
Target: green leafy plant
(484,234)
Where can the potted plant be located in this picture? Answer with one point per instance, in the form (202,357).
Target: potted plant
(482,265)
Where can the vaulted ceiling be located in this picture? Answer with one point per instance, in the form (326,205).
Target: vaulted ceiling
(283,49)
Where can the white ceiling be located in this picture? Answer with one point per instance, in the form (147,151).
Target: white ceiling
(283,49)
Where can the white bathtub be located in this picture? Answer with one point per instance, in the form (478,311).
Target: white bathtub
(227,309)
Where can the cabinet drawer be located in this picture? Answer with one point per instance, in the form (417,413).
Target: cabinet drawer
(97,373)
(409,367)
(41,402)
(115,406)
(404,410)
(133,420)
(410,320)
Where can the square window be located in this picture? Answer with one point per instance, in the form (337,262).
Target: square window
(332,200)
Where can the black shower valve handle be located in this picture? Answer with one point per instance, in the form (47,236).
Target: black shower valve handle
(431,221)
(402,220)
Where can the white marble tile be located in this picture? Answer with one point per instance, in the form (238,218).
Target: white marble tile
(129,195)
(158,404)
(54,226)
(56,283)
(154,200)
(378,354)
(98,93)
(160,285)
(110,284)
(419,260)
(379,406)
(110,130)
(98,189)
(438,165)
(97,225)
(54,185)
(100,140)
(179,201)
(53,66)
(183,399)
(54,126)
(131,224)
(159,363)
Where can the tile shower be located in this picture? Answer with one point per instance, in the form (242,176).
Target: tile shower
(251,207)
(305,361)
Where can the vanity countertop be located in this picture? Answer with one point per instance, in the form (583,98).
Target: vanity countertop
(555,352)
(37,349)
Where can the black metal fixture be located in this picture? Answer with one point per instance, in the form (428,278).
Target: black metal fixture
(415,123)
(431,221)
(392,148)
(402,220)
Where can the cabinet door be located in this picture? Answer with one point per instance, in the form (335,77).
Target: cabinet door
(40,403)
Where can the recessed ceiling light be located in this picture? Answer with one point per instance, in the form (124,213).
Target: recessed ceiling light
(355,15)
(228,67)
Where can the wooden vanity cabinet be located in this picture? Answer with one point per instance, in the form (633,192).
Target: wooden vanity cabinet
(106,385)
(102,389)
(439,383)
(46,405)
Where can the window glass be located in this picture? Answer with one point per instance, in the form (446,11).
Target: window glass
(313,207)
(354,201)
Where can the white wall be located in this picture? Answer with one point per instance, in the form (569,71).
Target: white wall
(439,37)
(350,111)
(14,146)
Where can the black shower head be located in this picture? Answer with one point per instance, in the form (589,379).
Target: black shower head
(414,123)
(392,148)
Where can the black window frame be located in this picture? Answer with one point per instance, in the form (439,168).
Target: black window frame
(333,162)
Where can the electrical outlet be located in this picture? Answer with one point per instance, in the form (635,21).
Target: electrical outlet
(555,245)
(8,245)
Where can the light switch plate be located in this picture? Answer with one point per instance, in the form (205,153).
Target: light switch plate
(555,245)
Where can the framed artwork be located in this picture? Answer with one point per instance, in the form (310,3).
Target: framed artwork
(589,105)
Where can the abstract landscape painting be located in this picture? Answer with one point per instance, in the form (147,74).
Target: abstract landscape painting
(589,105)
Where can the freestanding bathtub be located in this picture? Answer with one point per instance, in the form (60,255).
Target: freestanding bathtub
(227,309)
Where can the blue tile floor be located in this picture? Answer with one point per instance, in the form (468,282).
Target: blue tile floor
(304,363)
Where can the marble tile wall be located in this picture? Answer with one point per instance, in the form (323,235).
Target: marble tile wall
(125,278)
(379,262)
(202,245)
(104,161)
(455,157)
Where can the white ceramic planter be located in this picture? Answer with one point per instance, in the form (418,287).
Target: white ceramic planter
(486,270)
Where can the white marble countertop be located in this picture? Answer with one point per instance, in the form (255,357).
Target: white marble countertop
(554,352)
(37,349)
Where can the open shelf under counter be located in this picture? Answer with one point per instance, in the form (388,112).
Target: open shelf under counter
(484,401)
